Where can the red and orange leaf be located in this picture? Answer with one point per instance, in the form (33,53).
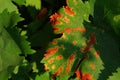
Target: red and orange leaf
(69,11)
(63,54)
(70,59)
(51,51)
(54,18)
(87,77)
(57,73)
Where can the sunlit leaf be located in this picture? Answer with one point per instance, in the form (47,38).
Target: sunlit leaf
(34,3)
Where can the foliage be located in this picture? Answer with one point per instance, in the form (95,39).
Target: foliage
(115,75)
(59,40)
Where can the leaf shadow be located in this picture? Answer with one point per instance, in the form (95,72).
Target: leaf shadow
(107,45)
(107,40)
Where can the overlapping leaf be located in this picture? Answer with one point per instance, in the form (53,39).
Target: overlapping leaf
(65,53)
(106,11)
(44,76)
(81,51)
(106,45)
(9,51)
(36,3)
(11,7)
(21,2)
(115,76)
(113,15)
(7,5)
(11,42)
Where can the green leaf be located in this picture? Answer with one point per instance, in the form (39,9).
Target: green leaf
(115,76)
(24,44)
(9,19)
(106,12)
(23,70)
(6,40)
(64,77)
(7,5)
(113,15)
(21,2)
(34,3)
(12,44)
(44,76)
(92,4)
(4,75)
(9,51)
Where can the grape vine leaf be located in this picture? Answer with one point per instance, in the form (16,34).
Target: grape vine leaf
(64,54)
(9,51)
(44,76)
(106,18)
(11,42)
(11,21)
(20,2)
(7,5)
(113,15)
(107,44)
(115,76)
(92,5)
(35,3)
(103,11)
